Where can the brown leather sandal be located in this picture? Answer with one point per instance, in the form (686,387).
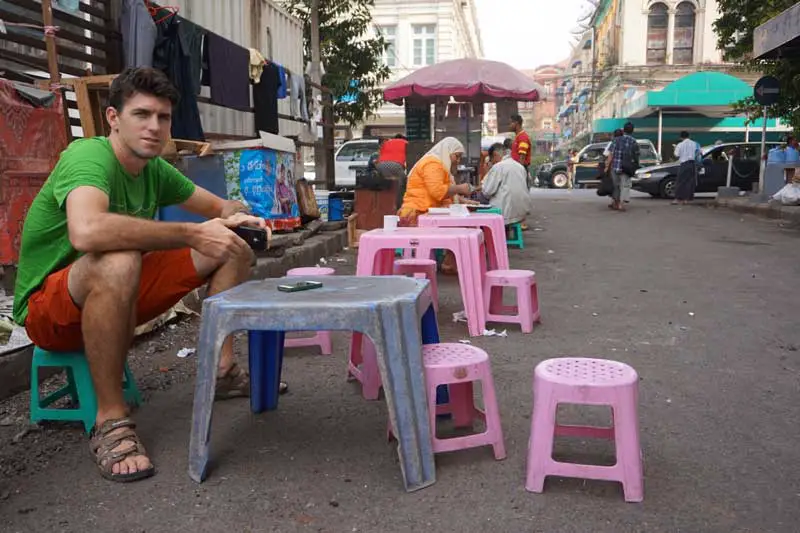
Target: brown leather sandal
(102,444)
(236,384)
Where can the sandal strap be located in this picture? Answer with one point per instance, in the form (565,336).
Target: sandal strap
(103,445)
(113,423)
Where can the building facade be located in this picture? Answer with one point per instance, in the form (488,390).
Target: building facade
(420,33)
(540,118)
(644,61)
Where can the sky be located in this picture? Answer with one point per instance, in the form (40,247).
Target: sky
(528,33)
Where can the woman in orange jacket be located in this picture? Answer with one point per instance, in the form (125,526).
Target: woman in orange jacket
(431,182)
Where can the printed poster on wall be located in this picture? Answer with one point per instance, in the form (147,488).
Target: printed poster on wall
(264,180)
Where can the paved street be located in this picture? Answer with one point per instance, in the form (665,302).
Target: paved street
(702,302)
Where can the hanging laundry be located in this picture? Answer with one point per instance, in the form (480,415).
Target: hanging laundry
(256,65)
(281,81)
(265,100)
(298,104)
(192,38)
(228,67)
(139,34)
(176,61)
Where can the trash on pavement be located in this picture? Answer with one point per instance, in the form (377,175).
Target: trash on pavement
(461,316)
(494,333)
(183,353)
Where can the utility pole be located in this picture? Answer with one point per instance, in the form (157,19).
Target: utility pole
(320,155)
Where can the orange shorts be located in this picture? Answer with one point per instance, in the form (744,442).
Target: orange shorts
(54,321)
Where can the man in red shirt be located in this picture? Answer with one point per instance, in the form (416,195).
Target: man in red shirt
(522,147)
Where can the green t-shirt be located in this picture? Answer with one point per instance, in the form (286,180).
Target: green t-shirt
(46,247)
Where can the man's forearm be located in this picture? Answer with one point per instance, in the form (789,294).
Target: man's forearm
(108,232)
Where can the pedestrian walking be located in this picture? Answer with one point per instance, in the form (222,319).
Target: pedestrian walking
(622,164)
(572,161)
(686,183)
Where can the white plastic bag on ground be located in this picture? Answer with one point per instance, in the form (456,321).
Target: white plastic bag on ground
(789,195)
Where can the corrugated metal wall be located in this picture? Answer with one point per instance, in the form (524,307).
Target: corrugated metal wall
(258,24)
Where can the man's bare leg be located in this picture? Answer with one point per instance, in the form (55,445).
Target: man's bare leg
(105,287)
(223,276)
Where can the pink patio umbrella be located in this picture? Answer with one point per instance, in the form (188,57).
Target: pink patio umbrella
(477,80)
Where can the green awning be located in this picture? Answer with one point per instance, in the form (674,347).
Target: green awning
(707,93)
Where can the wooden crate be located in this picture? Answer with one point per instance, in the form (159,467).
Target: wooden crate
(353,233)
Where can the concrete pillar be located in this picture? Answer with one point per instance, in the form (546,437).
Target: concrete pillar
(670,35)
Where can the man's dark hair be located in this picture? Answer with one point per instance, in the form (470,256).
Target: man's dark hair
(494,148)
(517,119)
(508,143)
(628,128)
(399,136)
(684,134)
(618,133)
(144,80)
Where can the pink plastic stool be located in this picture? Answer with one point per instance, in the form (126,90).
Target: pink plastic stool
(583,381)
(526,312)
(420,268)
(320,338)
(459,365)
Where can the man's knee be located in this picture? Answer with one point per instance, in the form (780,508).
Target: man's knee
(117,272)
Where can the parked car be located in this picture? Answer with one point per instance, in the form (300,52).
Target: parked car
(351,157)
(659,180)
(587,173)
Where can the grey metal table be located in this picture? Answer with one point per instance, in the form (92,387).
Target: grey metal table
(393,311)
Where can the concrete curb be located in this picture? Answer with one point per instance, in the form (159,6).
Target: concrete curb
(15,367)
(772,211)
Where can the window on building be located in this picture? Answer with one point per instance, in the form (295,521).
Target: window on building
(424,44)
(683,43)
(657,23)
(548,86)
(547,124)
(390,36)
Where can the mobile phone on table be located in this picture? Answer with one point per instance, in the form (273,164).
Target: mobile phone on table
(300,286)
(256,238)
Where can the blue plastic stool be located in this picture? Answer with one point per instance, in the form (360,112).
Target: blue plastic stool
(79,387)
(515,239)
(490,211)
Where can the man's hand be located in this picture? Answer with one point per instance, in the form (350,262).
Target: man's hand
(231,207)
(244,219)
(215,239)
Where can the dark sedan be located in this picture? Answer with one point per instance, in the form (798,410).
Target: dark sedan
(587,168)
(659,180)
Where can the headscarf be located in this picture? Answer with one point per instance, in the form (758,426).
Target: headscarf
(442,151)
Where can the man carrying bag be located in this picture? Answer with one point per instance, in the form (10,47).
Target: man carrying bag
(622,164)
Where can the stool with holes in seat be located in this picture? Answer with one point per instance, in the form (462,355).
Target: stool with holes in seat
(526,312)
(585,381)
(459,365)
(420,268)
(319,338)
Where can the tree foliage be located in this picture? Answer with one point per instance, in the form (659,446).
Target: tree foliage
(734,28)
(352,56)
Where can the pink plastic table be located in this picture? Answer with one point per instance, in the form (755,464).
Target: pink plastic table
(494,232)
(376,250)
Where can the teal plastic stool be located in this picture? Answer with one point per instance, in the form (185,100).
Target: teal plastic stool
(490,211)
(515,239)
(79,387)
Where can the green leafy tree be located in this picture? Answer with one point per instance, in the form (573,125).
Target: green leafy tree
(351,55)
(734,28)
